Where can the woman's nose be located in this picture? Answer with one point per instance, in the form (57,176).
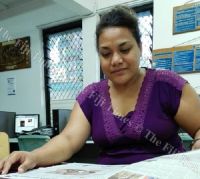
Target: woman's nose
(116,59)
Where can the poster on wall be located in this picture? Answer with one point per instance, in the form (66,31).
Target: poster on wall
(183,59)
(186,18)
(11,86)
(15,54)
(162,58)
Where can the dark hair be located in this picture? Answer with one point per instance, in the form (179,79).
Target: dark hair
(119,16)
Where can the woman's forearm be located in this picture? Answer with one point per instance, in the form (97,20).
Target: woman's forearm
(57,150)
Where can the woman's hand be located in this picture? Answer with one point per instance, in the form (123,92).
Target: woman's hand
(20,161)
(196,144)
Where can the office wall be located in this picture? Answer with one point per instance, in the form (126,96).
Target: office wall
(103,4)
(29,96)
(29,84)
(163,37)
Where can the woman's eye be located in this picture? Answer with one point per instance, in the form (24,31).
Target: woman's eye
(125,50)
(105,55)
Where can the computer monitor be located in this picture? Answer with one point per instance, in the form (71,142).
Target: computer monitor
(26,122)
(7,123)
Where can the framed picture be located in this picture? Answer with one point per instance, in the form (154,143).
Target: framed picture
(15,54)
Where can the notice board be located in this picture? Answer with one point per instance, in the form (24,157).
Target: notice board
(186,18)
(183,59)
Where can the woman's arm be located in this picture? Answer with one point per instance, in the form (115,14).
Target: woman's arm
(68,142)
(58,149)
(188,114)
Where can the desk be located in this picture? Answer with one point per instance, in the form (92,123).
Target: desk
(181,165)
(88,153)
(13,144)
(13,140)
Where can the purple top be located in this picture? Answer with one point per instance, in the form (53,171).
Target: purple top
(148,131)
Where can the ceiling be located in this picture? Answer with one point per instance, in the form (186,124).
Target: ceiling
(9,8)
(9,4)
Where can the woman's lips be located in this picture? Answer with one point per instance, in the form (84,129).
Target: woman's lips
(118,71)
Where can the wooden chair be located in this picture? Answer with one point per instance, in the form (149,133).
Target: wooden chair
(4,145)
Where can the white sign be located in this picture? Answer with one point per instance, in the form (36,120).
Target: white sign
(11,86)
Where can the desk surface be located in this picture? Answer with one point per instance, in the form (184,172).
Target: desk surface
(181,165)
(88,153)
(15,140)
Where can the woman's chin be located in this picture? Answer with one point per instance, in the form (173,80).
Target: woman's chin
(120,81)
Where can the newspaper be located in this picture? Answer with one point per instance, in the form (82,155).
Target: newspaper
(68,170)
(176,166)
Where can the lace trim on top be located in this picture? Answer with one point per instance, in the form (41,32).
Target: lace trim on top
(135,123)
(111,129)
(171,78)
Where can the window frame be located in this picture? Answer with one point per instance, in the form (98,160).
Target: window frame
(45,33)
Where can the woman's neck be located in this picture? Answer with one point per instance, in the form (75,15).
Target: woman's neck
(132,85)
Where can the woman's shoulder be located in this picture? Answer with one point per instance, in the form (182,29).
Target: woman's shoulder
(169,77)
(91,91)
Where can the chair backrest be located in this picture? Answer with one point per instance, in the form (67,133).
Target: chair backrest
(31,142)
(186,140)
(4,145)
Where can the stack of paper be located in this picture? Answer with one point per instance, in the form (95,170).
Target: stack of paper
(176,166)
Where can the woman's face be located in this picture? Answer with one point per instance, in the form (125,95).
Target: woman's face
(119,54)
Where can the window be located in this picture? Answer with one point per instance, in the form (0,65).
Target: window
(63,54)
(63,64)
(145,19)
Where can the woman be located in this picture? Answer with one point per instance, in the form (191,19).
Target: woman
(133,115)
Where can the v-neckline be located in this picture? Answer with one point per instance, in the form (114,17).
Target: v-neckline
(136,121)
(137,100)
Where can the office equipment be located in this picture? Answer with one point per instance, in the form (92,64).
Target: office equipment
(4,145)
(60,118)
(7,123)
(31,142)
(26,122)
(43,130)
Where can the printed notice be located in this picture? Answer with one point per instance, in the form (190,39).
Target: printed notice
(162,59)
(186,18)
(183,59)
(11,86)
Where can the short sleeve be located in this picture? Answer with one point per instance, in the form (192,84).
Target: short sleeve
(85,101)
(171,86)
